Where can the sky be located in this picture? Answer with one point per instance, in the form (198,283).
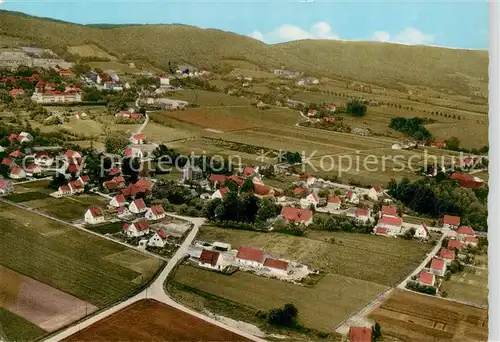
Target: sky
(453,24)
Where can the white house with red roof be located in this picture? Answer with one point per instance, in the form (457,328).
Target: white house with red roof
(43,159)
(311,199)
(84,179)
(261,190)
(156,212)
(438,267)
(426,278)
(451,222)
(138,206)
(308,179)
(276,266)
(8,162)
(220,193)
(63,190)
(33,170)
(16,154)
(465,231)
(454,243)
(375,192)
(17,173)
(471,241)
(133,152)
(362,215)
(388,211)
(352,197)
(24,137)
(138,139)
(297,215)
(5,186)
(311,112)
(164,81)
(333,203)
(16,92)
(94,215)
(210,259)
(137,228)
(76,187)
(422,232)
(159,239)
(250,257)
(447,255)
(123,212)
(389,225)
(118,201)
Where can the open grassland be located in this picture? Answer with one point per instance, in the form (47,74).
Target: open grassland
(75,262)
(204,98)
(470,134)
(321,306)
(66,208)
(153,321)
(16,328)
(161,133)
(85,127)
(471,285)
(409,316)
(365,257)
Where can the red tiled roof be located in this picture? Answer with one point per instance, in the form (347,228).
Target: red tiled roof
(334,199)
(454,244)
(139,136)
(437,264)
(30,168)
(7,161)
(42,154)
(298,191)
(157,210)
(217,178)
(248,171)
(261,190)
(209,257)
(388,210)
(426,278)
(236,179)
(64,188)
(223,191)
(121,209)
(114,171)
(162,234)
(360,334)
(76,184)
(127,152)
(130,190)
(276,263)
(139,203)
(378,188)
(296,214)
(350,194)
(16,171)
(392,221)
(85,178)
(110,185)
(95,212)
(15,92)
(4,183)
(143,185)
(16,154)
(73,168)
(141,225)
(12,137)
(466,230)
(362,212)
(381,230)
(451,220)
(120,198)
(447,253)
(250,253)
(118,179)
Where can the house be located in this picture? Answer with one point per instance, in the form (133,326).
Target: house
(72,156)
(133,152)
(16,154)
(114,171)
(63,190)
(209,258)
(248,171)
(311,199)
(65,72)
(465,231)
(236,179)
(123,212)
(33,170)
(138,206)
(362,215)
(453,243)
(422,232)
(143,185)
(249,256)
(352,197)
(333,203)
(137,228)
(393,225)
(280,267)
(375,192)
(43,159)
(164,81)
(24,137)
(12,137)
(381,231)
(311,112)
(426,278)
(360,334)
(118,201)
(447,255)
(84,179)
(466,180)
(297,215)
(298,191)
(159,239)
(16,92)
(438,267)
(76,187)
(119,181)
(220,193)
(469,240)
(221,246)
(110,185)
(94,215)
(138,139)
(156,212)
(17,173)
(451,222)
(5,186)
(8,162)
(388,211)
(217,179)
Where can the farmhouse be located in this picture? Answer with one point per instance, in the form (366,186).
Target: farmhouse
(118,201)
(159,239)
(156,212)
(137,228)
(17,173)
(249,171)
(5,186)
(333,203)
(464,232)
(297,215)
(426,278)
(94,215)
(248,256)
(138,206)
(451,222)
(362,215)
(422,232)
(209,259)
(453,243)
(447,255)
(360,334)
(220,193)
(311,199)
(138,139)
(375,192)
(278,267)
(352,197)
(438,267)
(119,181)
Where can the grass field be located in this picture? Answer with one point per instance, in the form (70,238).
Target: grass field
(153,321)
(90,50)
(27,196)
(67,208)
(409,316)
(365,257)
(16,328)
(471,285)
(205,98)
(70,260)
(321,306)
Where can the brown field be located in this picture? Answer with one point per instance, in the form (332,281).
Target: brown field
(409,316)
(209,118)
(149,320)
(40,304)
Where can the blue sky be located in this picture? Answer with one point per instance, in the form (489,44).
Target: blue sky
(445,23)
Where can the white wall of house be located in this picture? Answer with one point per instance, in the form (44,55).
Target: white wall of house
(372,194)
(156,241)
(421,233)
(133,232)
(93,220)
(332,206)
(133,209)
(249,263)
(438,272)
(151,216)
(354,199)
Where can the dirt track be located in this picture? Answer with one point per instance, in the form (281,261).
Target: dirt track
(150,320)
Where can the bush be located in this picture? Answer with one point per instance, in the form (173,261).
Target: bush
(414,286)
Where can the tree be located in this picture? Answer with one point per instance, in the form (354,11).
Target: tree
(267,209)
(57,180)
(377,332)
(80,69)
(5,97)
(284,317)
(453,144)
(356,108)
(247,185)
(115,143)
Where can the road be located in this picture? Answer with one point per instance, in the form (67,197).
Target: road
(155,291)
(144,124)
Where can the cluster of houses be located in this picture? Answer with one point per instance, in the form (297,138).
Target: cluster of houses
(307,81)
(286,73)
(31,56)
(104,81)
(47,93)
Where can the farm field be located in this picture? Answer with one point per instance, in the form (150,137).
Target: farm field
(366,257)
(66,208)
(470,134)
(204,98)
(321,306)
(409,316)
(16,328)
(84,127)
(156,321)
(161,133)
(88,267)
(471,285)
